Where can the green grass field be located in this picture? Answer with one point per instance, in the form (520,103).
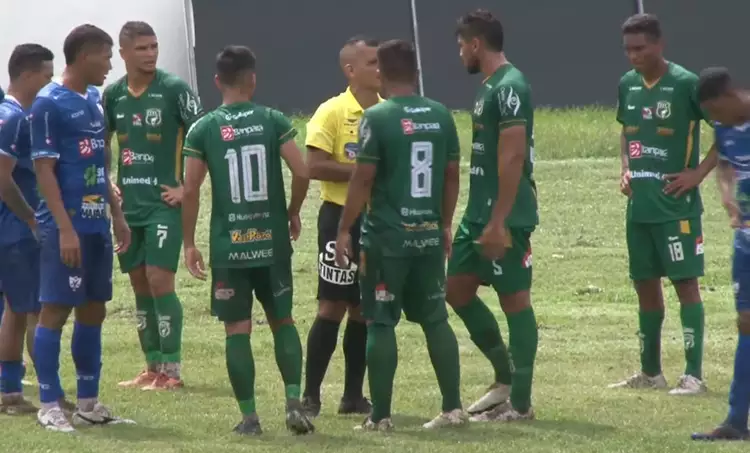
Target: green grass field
(585,307)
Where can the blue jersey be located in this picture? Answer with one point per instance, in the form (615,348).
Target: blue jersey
(733,145)
(69,127)
(16,143)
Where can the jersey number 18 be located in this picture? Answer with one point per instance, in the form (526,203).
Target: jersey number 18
(254,184)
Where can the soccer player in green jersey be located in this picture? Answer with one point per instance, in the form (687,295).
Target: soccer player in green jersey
(660,149)
(241,146)
(493,243)
(407,167)
(149,110)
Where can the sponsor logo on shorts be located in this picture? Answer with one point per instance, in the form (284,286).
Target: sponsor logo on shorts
(418,227)
(382,294)
(222,293)
(699,245)
(251,255)
(421,243)
(250,235)
(330,272)
(527,259)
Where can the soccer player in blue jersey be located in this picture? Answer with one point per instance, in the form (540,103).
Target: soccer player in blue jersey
(72,170)
(729,107)
(29,68)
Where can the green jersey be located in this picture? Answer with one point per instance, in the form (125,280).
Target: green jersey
(661,124)
(410,140)
(150,131)
(503,101)
(241,145)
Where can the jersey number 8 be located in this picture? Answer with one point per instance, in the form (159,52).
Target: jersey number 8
(421,169)
(254,185)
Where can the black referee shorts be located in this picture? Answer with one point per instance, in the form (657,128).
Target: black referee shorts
(334,283)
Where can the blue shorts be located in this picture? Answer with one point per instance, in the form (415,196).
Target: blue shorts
(92,282)
(19,270)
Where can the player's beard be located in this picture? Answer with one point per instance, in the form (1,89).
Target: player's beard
(473,66)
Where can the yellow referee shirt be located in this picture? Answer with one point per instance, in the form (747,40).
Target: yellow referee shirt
(333,129)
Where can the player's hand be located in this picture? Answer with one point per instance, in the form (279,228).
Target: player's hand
(447,242)
(343,249)
(680,183)
(116,193)
(733,210)
(494,240)
(70,248)
(625,184)
(194,262)
(295,226)
(171,195)
(122,234)
(34,227)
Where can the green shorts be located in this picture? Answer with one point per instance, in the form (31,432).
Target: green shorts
(672,249)
(232,291)
(156,244)
(414,284)
(509,275)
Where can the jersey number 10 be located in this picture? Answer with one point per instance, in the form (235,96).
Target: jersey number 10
(254,184)
(421,169)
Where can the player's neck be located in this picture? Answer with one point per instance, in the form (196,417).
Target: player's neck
(138,81)
(400,90)
(366,98)
(230,98)
(657,72)
(71,81)
(25,99)
(492,62)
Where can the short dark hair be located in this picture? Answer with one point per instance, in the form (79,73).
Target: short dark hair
(482,24)
(28,57)
(232,61)
(366,40)
(82,37)
(713,83)
(397,61)
(647,24)
(135,29)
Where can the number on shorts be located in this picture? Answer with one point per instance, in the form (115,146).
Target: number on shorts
(161,233)
(675,251)
(421,169)
(252,173)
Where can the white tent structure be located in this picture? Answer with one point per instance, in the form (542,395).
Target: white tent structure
(47,22)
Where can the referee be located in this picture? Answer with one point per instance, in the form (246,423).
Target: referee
(332,146)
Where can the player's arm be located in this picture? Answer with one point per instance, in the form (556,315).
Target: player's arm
(726,180)
(300,177)
(10,193)
(111,123)
(320,142)
(451,175)
(363,176)
(196,168)
(44,152)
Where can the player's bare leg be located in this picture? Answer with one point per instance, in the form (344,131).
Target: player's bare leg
(241,369)
(650,320)
(693,323)
(524,338)
(169,328)
(32,319)
(12,333)
(461,294)
(86,348)
(288,350)
(148,331)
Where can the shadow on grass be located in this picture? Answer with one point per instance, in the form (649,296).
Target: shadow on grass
(134,433)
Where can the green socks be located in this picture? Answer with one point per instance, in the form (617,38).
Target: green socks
(148,331)
(382,359)
(649,323)
(241,368)
(692,318)
(485,333)
(443,349)
(169,312)
(288,349)
(524,337)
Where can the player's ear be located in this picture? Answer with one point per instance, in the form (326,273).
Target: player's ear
(122,53)
(217,82)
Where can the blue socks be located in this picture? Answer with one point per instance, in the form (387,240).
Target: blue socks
(47,364)
(739,392)
(87,356)
(10,376)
